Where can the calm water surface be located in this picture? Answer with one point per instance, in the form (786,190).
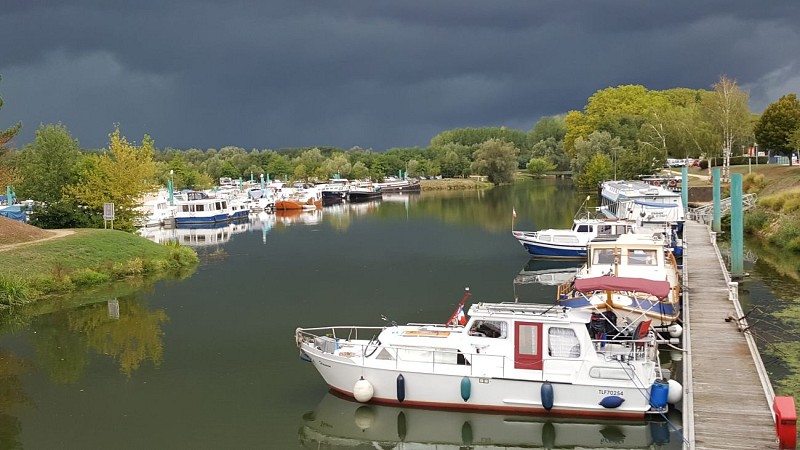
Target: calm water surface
(209,360)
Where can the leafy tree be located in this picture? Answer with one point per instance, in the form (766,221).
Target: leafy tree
(122,175)
(497,160)
(599,142)
(475,136)
(48,164)
(338,164)
(726,110)
(414,168)
(359,171)
(539,166)
(548,127)
(778,125)
(553,152)
(598,169)
(300,172)
(311,159)
(278,166)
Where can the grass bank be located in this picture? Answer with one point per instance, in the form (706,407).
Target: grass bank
(776,218)
(453,184)
(87,257)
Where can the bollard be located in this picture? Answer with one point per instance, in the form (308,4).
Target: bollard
(785,422)
(713,237)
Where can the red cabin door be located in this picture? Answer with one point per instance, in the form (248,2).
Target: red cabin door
(528,345)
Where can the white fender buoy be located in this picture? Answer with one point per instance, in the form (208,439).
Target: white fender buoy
(363,390)
(675,393)
(675,330)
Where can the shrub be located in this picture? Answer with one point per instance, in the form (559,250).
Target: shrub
(88,277)
(15,291)
(755,220)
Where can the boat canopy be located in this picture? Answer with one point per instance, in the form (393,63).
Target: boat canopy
(657,288)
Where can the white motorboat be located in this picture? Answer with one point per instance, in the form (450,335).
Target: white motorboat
(632,275)
(509,357)
(571,243)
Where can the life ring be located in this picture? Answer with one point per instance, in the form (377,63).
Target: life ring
(672,183)
(656,183)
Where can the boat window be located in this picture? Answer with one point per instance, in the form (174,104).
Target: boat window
(641,257)
(545,238)
(185,208)
(605,229)
(563,343)
(583,228)
(199,207)
(603,256)
(565,239)
(489,328)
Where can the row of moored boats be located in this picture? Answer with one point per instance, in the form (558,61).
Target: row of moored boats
(592,350)
(232,202)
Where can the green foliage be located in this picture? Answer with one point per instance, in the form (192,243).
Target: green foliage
(88,277)
(780,121)
(726,110)
(551,127)
(472,137)
(497,160)
(64,214)
(755,220)
(599,168)
(15,291)
(539,166)
(753,183)
(598,143)
(553,151)
(788,233)
(122,175)
(49,164)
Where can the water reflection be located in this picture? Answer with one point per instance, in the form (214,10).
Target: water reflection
(63,340)
(550,273)
(12,396)
(342,423)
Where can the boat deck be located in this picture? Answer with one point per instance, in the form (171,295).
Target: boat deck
(724,392)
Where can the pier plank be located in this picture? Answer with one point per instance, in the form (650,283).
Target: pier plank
(730,408)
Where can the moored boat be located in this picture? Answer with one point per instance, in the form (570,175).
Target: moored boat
(198,208)
(633,275)
(363,191)
(512,357)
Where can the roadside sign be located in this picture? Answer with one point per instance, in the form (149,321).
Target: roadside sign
(108,211)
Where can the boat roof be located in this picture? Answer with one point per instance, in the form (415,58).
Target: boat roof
(641,240)
(658,288)
(508,310)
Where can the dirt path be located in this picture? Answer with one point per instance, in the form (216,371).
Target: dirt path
(55,235)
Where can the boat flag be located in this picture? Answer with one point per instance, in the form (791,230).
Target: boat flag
(458,317)
(461,318)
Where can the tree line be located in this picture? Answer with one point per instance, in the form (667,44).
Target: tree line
(622,132)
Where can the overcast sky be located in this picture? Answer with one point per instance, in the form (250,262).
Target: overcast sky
(375,74)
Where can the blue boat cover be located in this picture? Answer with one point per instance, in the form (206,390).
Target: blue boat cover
(656,204)
(13,212)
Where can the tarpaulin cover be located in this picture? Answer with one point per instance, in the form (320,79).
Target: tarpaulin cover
(658,288)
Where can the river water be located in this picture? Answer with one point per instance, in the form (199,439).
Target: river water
(208,359)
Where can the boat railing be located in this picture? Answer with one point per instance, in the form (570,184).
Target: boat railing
(348,333)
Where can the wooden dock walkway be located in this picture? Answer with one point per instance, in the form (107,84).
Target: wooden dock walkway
(726,405)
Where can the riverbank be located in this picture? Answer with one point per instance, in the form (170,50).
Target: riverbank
(453,184)
(35,263)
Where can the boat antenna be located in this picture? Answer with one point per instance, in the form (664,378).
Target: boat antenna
(583,208)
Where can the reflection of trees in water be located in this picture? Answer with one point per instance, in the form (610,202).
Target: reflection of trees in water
(62,340)
(12,368)
(135,337)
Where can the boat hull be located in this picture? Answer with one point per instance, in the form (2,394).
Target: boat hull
(442,390)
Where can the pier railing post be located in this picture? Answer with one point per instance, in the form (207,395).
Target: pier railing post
(733,291)
(737,227)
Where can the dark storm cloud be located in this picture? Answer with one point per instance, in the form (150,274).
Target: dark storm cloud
(373,74)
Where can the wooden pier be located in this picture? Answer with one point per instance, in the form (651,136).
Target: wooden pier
(727,398)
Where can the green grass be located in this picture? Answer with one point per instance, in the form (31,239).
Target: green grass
(86,258)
